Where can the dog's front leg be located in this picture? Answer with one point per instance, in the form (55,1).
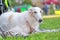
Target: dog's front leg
(37,28)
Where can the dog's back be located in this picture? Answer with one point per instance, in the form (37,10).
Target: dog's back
(10,20)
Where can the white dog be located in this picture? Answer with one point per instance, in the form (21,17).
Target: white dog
(21,23)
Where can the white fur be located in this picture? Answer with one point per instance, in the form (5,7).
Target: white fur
(17,24)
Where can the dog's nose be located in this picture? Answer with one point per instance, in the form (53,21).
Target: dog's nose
(40,20)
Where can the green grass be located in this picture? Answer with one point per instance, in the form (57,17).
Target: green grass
(48,23)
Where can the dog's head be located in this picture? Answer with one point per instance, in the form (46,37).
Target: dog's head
(36,12)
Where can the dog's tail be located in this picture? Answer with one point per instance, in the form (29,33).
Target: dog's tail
(48,30)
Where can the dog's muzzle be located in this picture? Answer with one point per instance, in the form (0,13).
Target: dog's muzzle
(40,20)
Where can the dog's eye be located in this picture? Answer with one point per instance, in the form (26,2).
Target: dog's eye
(40,11)
(35,12)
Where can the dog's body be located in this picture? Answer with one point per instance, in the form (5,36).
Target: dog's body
(21,23)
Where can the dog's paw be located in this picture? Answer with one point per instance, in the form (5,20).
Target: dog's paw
(37,30)
(24,34)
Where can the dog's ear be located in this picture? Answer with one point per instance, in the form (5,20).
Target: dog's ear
(30,9)
(30,12)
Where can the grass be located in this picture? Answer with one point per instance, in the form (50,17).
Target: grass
(51,23)
(48,23)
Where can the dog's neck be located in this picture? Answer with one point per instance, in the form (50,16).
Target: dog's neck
(31,17)
(31,22)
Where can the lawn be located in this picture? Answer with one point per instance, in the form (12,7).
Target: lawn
(48,23)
